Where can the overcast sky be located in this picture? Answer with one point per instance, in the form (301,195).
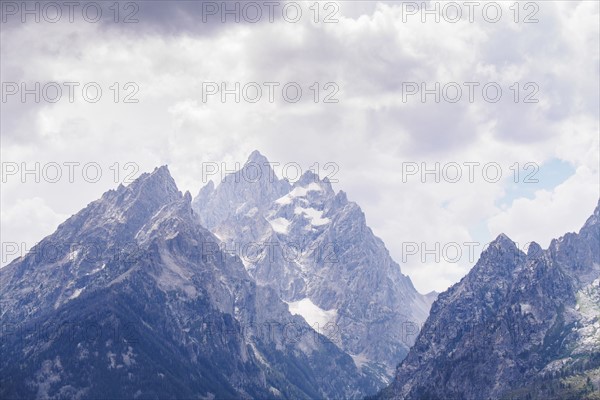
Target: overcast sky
(370,130)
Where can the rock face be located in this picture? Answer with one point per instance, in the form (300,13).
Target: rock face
(314,248)
(517,326)
(132,298)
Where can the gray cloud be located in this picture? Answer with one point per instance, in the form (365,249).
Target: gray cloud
(369,53)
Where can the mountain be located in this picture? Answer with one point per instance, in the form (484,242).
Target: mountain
(518,326)
(314,248)
(132,298)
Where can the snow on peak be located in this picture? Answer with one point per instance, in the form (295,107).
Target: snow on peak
(315,216)
(298,191)
(280,225)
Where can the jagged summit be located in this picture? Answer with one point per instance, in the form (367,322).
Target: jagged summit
(255,185)
(309,177)
(502,253)
(158,184)
(257,157)
(503,240)
(159,174)
(257,169)
(534,250)
(173,315)
(339,271)
(161,170)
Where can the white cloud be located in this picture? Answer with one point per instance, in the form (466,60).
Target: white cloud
(20,218)
(550,214)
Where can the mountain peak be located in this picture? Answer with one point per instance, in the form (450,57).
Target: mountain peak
(163,169)
(504,293)
(309,177)
(257,169)
(208,188)
(504,241)
(594,219)
(158,183)
(501,248)
(340,198)
(534,250)
(254,185)
(257,157)
(159,174)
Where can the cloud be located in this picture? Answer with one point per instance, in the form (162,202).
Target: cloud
(371,133)
(551,213)
(20,217)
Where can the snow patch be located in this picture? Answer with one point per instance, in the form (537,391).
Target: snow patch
(112,359)
(359,360)
(252,212)
(47,376)
(285,200)
(128,357)
(588,307)
(312,314)
(76,294)
(73,255)
(257,354)
(280,225)
(315,216)
(96,270)
(525,308)
(247,264)
(175,276)
(299,191)
(240,209)
(219,235)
